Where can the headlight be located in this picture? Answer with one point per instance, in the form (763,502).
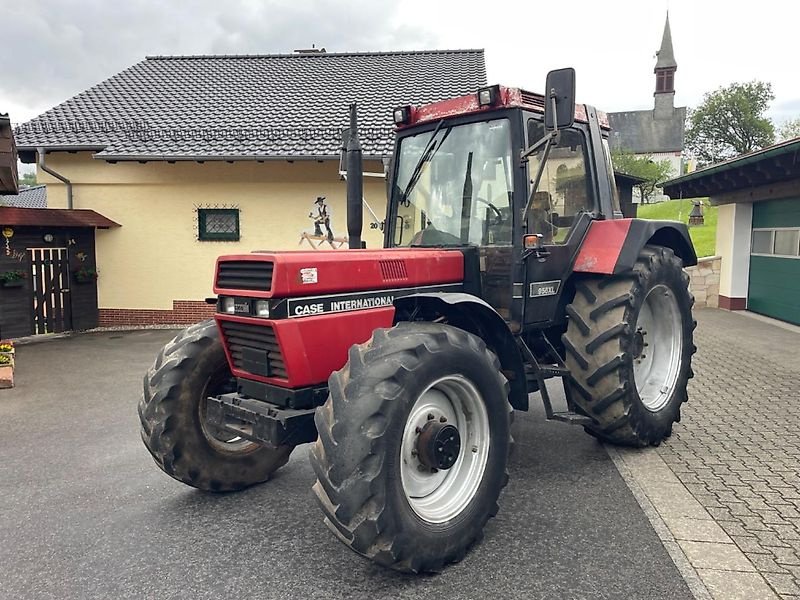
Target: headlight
(262,308)
(228,306)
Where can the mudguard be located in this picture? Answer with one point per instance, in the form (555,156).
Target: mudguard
(613,246)
(472,314)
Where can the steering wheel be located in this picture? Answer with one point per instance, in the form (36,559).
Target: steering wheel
(498,215)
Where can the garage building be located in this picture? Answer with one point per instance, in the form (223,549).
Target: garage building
(758,227)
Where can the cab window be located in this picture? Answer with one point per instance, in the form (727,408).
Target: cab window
(564,191)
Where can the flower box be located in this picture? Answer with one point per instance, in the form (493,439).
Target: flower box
(6,376)
(85,275)
(14,283)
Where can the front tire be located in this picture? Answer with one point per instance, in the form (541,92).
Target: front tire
(388,493)
(174,429)
(629,349)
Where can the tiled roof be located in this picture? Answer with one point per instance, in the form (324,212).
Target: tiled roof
(54,217)
(32,197)
(638,131)
(246,107)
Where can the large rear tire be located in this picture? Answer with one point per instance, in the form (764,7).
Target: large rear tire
(629,349)
(386,491)
(184,445)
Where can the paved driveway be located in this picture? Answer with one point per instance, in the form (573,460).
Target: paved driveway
(85,513)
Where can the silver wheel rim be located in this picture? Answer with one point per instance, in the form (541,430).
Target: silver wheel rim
(438,496)
(220,439)
(658,345)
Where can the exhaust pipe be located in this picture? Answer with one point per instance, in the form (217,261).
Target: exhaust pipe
(355,183)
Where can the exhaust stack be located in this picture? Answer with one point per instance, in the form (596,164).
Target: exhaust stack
(355,185)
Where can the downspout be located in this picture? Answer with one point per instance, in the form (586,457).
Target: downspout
(46,169)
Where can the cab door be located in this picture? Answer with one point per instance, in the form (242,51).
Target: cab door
(562,208)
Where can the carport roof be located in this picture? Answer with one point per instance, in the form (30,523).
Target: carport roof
(773,164)
(250,107)
(53,217)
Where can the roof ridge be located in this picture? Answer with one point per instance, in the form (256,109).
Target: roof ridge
(314,54)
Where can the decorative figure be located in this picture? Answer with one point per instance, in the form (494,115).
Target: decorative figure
(322,217)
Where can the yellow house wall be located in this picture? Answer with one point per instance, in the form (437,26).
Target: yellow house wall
(155,257)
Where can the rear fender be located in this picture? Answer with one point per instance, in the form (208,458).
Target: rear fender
(612,246)
(472,314)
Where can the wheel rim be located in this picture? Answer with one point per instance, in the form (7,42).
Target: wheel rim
(440,495)
(657,348)
(219,438)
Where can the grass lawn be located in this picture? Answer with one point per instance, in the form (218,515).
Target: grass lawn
(703,236)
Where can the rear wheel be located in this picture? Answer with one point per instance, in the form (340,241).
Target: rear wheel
(413,445)
(629,349)
(175,430)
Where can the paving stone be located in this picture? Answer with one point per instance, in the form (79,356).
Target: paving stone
(727,585)
(711,555)
(785,556)
(765,563)
(782,584)
(697,530)
(749,543)
(740,463)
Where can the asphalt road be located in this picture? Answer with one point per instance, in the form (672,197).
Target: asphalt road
(85,512)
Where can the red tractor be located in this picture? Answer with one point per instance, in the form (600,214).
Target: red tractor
(506,262)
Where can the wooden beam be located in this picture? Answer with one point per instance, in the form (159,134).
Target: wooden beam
(769,191)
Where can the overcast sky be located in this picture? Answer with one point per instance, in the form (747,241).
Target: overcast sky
(54,50)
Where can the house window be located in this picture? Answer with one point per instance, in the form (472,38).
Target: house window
(783,242)
(215,224)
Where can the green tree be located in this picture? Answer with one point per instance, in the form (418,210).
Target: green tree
(731,121)
(28,179)
(789,129)
(653,172)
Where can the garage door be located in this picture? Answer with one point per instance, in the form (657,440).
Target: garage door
(775,260)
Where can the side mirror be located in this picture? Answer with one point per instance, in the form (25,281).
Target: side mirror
(560,87)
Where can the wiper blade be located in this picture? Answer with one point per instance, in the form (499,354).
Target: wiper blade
(426,155)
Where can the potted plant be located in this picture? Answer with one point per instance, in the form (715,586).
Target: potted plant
(85,274)
(13,278)
(6,371)
(6,352)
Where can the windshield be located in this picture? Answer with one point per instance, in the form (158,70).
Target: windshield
(454,186)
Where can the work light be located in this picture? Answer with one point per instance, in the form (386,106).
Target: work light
(402,115)
(228,305)
(262,308)
(488,95)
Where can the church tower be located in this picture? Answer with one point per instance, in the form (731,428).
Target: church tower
(665,76)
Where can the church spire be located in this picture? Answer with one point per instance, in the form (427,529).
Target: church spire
(666,57)
(665,72)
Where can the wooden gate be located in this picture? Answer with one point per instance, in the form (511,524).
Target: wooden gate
(52,310)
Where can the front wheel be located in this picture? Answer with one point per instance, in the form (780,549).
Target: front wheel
(175,430)
(413,445)
(629,349)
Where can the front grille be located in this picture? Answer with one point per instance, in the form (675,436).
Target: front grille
(239,336)
(245,275)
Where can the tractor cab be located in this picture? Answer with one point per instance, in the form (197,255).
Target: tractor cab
(484,173)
